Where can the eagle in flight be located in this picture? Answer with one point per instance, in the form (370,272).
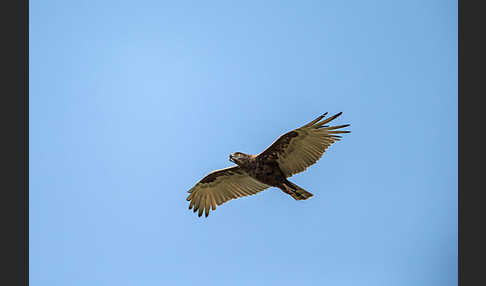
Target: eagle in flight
(290,154)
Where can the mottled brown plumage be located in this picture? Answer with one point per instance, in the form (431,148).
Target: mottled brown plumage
(290,154)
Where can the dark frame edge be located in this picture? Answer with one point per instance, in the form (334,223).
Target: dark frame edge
(26,146)
(15,134)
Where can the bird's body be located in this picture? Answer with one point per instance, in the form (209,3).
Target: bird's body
(291,153)
(262,169)
(266,170)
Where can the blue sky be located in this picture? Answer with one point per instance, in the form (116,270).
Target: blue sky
(133,102)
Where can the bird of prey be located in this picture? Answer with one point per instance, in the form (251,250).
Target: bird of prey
(290,154)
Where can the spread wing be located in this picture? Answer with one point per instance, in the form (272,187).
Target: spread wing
(221,186)
(298,149)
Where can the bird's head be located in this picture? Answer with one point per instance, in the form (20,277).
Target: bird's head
(238,158)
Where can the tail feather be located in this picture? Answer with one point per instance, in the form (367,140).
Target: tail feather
(295,191)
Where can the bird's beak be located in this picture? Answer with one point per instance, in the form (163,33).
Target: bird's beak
(231,158)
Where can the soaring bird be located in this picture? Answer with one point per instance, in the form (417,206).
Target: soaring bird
(290,154)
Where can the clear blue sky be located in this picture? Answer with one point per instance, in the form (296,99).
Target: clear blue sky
(133,102)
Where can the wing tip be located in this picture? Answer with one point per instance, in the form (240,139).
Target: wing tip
(329,119)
